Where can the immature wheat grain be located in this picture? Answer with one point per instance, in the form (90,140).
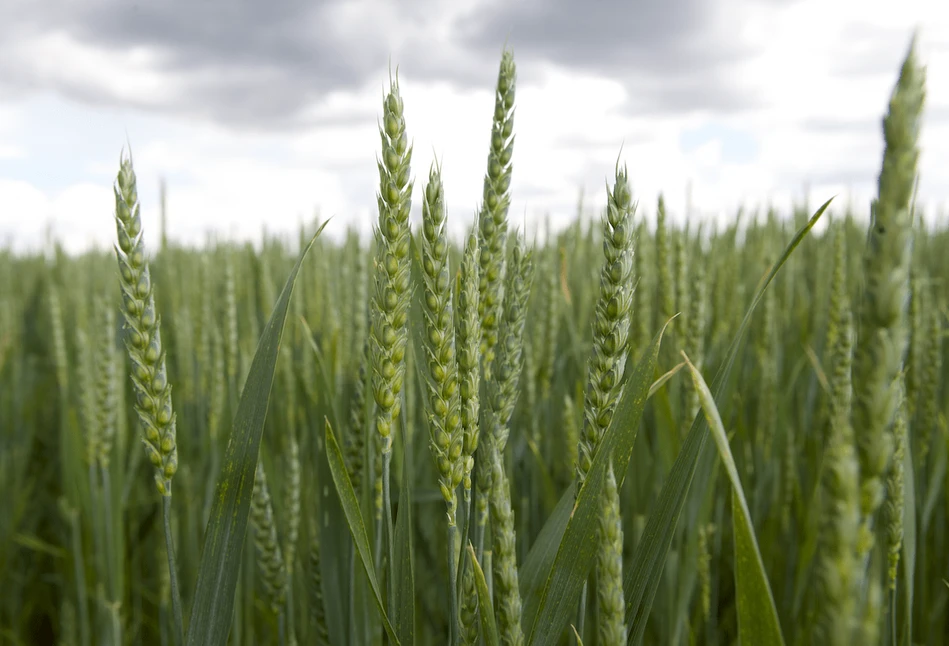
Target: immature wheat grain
(468,342)
(390,304)
(681,269)
(895,494)
(360,298)
(391,298)
(492,219)
(643,300)
(869,628)
(470,627)
(292,497)
(60,357)
(315,580)
(218,386)
(502,397)
(358,420)
(694,342)
(838,568)
(611,325)
(551,317)
(232,336)
(609,567)
(705,569)
(444,401)
(149,378)
(88,395)
(916,340)
(928,401)
(143,338)
(506,581)
(883,330)
(106,388)
(272,564)
(502,386)
(604,386)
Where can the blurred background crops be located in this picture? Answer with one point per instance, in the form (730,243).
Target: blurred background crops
(59,338)
(82,556)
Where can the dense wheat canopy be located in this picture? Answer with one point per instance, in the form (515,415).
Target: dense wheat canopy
(634,428)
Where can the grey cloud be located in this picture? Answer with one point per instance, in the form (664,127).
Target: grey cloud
(664,50)
(243,62)
(261,65)
(613,34)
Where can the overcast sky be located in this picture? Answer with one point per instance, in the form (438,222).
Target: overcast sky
(263,113)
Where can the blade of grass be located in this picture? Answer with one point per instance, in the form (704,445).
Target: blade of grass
(489,629)
(757,615)
(354,520)
(541,556)
(212,610)
(577,549)
(322,373)
(661,381)
(546,492)
(335,550)
(542,553)
(642,579)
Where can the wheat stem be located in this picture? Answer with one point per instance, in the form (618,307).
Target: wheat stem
(172,571)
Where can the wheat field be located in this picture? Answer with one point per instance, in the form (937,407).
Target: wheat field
(608,434)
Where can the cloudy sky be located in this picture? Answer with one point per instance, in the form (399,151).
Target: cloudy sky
(263,114)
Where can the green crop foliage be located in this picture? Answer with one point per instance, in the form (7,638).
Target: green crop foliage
(496,439)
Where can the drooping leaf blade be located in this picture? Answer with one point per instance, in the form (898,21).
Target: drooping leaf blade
(642,579)
(577,549)
(354,520)
(335,551)
(322,372)
(213,606)
(757,615)
(533,573)
(541,556)
(489,628)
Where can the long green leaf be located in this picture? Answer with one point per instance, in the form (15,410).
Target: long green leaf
(757,615)
(213,607)
(541,556)
(335,550)
(642,579)
(489,628)
(357,528)
(322,373)
(577,549)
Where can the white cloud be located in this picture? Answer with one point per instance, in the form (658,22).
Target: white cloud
(77,216)
(9,151)
(59,59)
(820,77)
